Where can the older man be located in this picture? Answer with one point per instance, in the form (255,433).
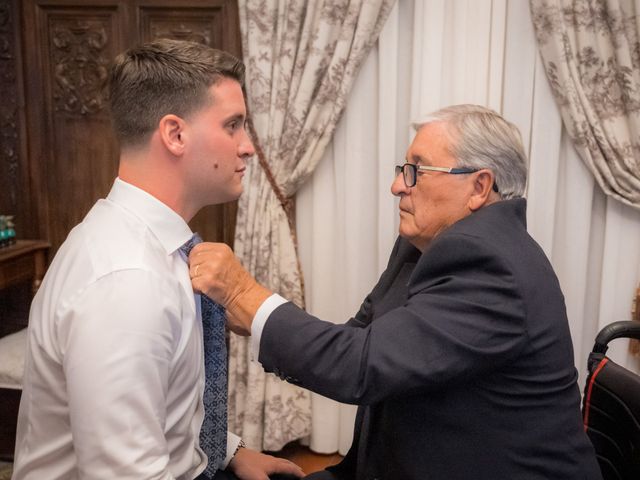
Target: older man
(470,376)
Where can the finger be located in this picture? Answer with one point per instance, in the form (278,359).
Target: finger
(202,284)
(202,246)
(285,466)
(254,474)
(195,270)
(199,249)
(209,247)
(198,284)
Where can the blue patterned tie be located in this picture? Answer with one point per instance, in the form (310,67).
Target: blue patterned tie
(213,435)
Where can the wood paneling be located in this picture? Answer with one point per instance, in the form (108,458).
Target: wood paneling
(72,155)
(13,186)
(67,46)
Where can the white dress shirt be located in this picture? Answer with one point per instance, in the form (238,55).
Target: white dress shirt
(114,373)
(262,315)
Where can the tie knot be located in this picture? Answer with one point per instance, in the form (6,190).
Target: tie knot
(189,244)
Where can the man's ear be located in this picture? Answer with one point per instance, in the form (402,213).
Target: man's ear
(171,128)
(482,189)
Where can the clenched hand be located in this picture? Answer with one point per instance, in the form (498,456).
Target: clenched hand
(216,272)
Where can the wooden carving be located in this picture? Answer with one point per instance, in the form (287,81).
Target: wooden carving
(196,25)
(80,64)
(181,31)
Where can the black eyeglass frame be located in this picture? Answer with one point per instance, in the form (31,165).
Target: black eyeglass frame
(413,169)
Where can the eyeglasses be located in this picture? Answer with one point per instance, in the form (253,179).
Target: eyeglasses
(410,172)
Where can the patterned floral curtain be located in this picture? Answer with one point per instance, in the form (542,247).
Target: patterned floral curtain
(302,59)
(591,53)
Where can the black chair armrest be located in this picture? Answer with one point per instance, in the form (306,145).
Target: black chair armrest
(626,329)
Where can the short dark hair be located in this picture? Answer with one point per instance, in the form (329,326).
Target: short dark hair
(164,77)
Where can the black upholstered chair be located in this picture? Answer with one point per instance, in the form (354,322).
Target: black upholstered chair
(611,407)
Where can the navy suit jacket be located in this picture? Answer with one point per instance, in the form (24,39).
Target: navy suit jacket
(469,375)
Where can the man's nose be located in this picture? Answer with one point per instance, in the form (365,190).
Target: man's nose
(398,187)
(246,148)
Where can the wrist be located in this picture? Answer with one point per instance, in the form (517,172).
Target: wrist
(243,307)
(233,462)
(241,444)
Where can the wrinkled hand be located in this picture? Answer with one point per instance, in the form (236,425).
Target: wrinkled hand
(251,465)
(216,272)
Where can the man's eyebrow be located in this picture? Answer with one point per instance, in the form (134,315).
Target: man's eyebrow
(238,117)
(420,159)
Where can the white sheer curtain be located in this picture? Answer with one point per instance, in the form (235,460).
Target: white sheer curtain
(432,53)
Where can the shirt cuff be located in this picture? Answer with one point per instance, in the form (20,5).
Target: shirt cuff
(266,309)
(233,441)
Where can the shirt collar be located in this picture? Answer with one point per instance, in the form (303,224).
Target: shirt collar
(167,226)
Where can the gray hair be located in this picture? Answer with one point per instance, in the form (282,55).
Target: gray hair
(482,138)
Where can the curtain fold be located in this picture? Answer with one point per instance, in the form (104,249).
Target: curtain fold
(432,53)
(302,58)
(591,55)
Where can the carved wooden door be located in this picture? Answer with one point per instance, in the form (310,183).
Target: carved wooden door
(66,47)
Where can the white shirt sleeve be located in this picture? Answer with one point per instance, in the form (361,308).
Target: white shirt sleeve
(267,307)
(232,443)
(119,341)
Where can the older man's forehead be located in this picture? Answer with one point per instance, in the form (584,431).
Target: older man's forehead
(430,146)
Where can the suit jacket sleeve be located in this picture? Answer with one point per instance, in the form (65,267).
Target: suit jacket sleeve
(465,315)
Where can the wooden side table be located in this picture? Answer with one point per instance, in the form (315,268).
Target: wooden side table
(26,260)
(22,267)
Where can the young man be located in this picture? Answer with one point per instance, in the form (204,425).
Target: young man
(114,377)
